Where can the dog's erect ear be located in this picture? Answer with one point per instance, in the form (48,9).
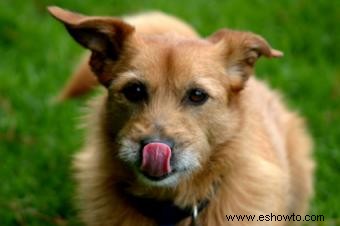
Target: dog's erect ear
(240,51)
(104,36)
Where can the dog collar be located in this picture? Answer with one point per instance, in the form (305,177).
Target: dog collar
(165,212)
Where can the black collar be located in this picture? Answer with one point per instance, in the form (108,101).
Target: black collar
(165,212)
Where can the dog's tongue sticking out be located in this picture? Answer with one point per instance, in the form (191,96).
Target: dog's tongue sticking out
(156,159)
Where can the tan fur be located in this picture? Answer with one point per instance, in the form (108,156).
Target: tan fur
(243,139)
(83,80)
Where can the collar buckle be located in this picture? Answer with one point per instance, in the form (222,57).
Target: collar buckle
(194,216)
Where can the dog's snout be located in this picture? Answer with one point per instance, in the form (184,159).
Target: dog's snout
(148,140)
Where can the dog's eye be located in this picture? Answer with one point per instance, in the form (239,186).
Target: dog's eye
(135,92)
(197,96)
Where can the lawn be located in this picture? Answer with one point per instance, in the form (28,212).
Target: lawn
(38,138)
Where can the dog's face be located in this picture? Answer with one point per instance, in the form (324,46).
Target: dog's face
(174,95)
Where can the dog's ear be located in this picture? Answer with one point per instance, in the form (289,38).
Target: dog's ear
(240,51)
(104,36)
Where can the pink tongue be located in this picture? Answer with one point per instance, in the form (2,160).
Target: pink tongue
(156,159)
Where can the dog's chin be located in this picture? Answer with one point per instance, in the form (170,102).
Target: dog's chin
(168,180)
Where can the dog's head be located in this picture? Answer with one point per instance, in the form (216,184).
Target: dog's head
(170,98)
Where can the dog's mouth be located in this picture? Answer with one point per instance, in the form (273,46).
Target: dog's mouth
(156,161)
(153,178)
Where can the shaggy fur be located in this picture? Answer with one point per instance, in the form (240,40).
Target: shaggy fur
(242,149)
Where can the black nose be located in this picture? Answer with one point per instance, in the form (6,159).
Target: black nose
(149,140)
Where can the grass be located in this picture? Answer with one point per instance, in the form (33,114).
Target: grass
(37,139)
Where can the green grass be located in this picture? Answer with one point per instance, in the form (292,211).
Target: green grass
(37,139)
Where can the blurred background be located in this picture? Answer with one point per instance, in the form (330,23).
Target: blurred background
(38,139)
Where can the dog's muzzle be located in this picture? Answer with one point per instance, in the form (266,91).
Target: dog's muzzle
(155,156)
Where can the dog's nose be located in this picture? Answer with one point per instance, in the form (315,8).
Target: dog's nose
(149,140)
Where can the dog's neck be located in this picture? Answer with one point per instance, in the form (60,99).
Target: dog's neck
(164,211)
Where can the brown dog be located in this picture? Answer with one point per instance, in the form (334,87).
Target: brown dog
(184,135)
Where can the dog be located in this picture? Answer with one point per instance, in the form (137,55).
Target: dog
(184,133)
